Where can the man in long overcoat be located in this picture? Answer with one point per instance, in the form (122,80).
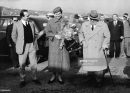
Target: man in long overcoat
(95,37)
(125,46)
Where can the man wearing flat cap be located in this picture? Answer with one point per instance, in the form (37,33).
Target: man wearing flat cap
(95,36)
(58,59)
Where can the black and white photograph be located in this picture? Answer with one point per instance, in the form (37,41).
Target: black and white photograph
(64,46)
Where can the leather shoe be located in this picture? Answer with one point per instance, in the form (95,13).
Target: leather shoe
(22,84)
(51,81)
(37,82)
(99,84)
(16,66)
(61,81)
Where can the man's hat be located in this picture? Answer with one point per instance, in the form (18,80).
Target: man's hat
(76,16)
(125,15)
(94,15)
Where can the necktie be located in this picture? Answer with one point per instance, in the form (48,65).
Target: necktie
(114,23)
(26,23)
(92,27)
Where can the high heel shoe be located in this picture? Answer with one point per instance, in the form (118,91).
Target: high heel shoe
(61,81)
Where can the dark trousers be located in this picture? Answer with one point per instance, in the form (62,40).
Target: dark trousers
(14,57)
(114,47)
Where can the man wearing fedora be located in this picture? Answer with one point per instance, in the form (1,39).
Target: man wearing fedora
(95,36)
(116,28)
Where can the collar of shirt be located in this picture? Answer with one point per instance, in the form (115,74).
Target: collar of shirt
(115,21)
(24,22)
(58,20)
(93,26)
(124,21)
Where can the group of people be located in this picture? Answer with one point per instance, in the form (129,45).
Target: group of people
(95,36)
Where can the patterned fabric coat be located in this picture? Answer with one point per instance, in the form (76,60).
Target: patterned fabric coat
(58,59)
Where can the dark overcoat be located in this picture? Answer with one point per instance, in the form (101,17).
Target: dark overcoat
(13,54)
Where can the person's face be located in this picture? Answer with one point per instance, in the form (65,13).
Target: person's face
(15,19)
(93,22)
(58,15)
(115,17)
(102,18)
(26,16)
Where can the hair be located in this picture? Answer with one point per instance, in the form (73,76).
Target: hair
(57,9)
(102,15)
(115,14)
(22,12)
(94,19)
(126,14)
(14,17)
(76,16)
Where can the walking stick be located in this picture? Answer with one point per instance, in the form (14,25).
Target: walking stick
(108,68)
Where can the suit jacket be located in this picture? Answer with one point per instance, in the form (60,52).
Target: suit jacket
(18,36)
(8,35)
(116,31)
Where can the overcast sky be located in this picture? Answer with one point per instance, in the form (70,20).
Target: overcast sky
(76,6)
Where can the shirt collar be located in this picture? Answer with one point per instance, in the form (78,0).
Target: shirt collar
(24,22)
(58,20)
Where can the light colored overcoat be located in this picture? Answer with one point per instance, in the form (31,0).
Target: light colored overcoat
(125,45)
(94,59)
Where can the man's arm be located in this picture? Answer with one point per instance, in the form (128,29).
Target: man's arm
(8,34)
(14,33)
(122,30)
(81,34)
(106,41)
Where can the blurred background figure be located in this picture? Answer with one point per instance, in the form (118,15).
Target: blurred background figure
(127,16)
(125,47)
(50,16)
(14,55)
(85,18)
(116,28)
(102,18)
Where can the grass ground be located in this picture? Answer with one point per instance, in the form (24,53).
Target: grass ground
(74,83)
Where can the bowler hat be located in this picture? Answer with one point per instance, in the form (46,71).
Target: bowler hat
(94,15)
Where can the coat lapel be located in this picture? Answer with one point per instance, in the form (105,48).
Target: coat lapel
(96,30)
(21,26)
